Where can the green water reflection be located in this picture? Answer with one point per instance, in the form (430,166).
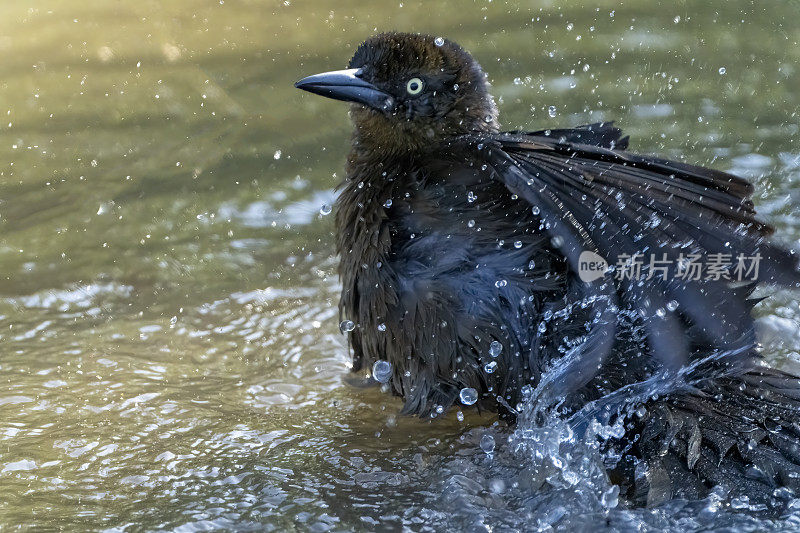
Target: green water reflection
(169,350)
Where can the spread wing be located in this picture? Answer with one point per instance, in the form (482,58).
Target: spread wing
(678,238)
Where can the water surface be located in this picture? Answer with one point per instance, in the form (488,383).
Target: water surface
(169,349)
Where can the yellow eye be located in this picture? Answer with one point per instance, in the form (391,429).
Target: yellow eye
(414,86)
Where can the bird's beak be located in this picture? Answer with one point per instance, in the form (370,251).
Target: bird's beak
(346,85)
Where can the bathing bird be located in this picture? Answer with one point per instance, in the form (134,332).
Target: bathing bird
(558,269)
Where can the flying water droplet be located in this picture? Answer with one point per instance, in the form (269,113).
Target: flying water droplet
(438,41)
(672,305)
(387,203)
(277,155)
(500,283)
(487,444)
(471,224)
(610,498)
(460,416)
(490,367)
(346,325)
(535,210)
(468,396)
(722,71)
(551,111)
(517,244)
(381,327)
(325,209)
(495,348)
(382,371)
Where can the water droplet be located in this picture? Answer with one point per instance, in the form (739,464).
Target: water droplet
(471,197)
(551,111)
(487,443)
(468,396)
(610,497)
(661,312)
(495,348)
(382,371)
(277,154)
(325,209)
(535,210)
(460,416)
(438,41)
(471,224)
(500,283)
(722,71)
(517,244)
(672,305)
(381,327)
(557,241)
(346,325)
(387,203)
(497,486)
(490,367)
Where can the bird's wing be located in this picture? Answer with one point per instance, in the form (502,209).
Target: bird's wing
(602,134)
(649,211)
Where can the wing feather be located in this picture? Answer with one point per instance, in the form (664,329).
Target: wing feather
(592,197)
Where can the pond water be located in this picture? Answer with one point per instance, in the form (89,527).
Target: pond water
(169,349)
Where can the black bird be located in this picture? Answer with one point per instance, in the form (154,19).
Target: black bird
(465,262)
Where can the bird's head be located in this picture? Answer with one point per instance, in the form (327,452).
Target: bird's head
(408,91)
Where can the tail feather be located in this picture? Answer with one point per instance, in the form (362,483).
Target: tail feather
(739,433)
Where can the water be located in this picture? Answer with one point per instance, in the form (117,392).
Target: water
(171,354)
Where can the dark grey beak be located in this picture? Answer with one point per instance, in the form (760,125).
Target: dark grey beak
(346,85)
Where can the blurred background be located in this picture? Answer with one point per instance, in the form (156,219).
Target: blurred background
(169,349)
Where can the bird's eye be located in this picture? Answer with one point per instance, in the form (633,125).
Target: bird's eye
(414,86)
